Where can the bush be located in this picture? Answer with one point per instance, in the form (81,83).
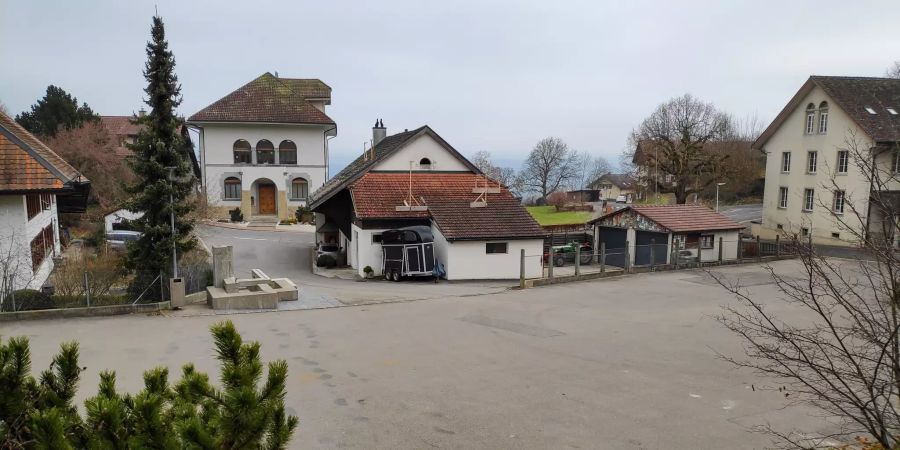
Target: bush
(26,299)
(289,221)
(236,215)
(326,261)
(305,215)
(368,269)
(105,270)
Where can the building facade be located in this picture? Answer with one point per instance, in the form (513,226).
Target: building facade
(264,147)
(820,153)
(35,185)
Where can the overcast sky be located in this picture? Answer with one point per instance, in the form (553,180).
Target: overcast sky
(485,75)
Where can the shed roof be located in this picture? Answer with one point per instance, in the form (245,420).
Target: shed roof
(27,164)
(680,218)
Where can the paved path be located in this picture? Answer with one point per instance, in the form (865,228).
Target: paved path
(624,363)
(287,254)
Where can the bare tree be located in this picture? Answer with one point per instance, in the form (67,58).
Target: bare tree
(893,71)
(589,168)
(674,141)
(505,175)
(843,358)
(15,270)
(550,166)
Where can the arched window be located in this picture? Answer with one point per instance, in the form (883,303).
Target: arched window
(265,152)
(425,164)
(810,118)
(241,152)
(299,189)
(232,188)
(287,152)
(823,117)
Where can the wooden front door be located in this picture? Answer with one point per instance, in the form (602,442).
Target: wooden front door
(266,199)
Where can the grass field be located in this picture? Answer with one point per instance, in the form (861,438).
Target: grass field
(547,215)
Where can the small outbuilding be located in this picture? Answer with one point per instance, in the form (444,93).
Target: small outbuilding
(650,233)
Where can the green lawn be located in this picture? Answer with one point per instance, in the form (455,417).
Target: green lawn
(547,215)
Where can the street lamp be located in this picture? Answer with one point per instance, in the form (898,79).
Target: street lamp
(717,194)
(172,217)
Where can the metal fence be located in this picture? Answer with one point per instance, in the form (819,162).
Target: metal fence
(83,289)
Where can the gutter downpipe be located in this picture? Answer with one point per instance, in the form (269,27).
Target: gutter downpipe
(327,162)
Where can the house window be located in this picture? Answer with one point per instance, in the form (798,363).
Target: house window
(843,160)
(425,164)
(810,118)
(299,189)
(33,205)
(804,232)
(808,199)
(785,162)
(836,235)
(823,118)
(782,197)
(287,152)
(41,246)
(232,188)
(707,241)
(376,238)
(838,204)
(241,152)
(495,247)
(812,159)
(265,152)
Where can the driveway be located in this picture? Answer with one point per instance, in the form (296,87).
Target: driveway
(623,363)
(287,254)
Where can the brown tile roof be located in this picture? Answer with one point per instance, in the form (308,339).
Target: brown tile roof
(447,195)
(120,126)
(681,218)
(26,164)
(622,180)
(272,100)
(853,95)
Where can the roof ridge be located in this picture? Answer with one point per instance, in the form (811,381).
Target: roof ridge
(35,148)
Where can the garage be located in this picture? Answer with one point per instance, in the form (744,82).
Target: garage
(650,245)
(614,238)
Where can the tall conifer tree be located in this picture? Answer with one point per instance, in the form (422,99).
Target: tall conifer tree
(158,147)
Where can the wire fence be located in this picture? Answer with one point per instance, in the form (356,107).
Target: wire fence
(83,289)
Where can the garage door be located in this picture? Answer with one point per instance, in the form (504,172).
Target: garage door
(645,240)
(614,238)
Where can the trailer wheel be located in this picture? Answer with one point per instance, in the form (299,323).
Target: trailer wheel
(395,276)
(587,255)
(559,261)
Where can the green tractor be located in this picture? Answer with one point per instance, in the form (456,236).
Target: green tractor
(566,253)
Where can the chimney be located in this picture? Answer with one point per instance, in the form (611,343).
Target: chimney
(142,113)
(378,132)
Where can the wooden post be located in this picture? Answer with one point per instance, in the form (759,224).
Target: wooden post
(577,259)
(603,257)
(652,253)
(550,262)
(675,253)
(740,249)
(522,268)
(700,252)
(777,245)
(627,257)
(87,289)
(720,249)
(758,250)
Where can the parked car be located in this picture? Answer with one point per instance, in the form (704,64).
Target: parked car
(566,253)
(119,239)
(687,255)
(622,199)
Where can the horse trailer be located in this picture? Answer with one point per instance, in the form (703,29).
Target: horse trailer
(408,251)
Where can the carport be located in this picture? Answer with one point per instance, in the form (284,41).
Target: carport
(648,233)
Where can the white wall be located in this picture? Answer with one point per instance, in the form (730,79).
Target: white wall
(363,252)
(468,260)
(218,158)
(790,137)
(423,147)
(16,233)
(118,216)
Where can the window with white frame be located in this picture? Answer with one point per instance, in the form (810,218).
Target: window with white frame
(287,152)
(838,203)
(812,159)
(232,188)
(809,197)
(707,241)
(785,162)
(782,197)
(299,189)
(810,118)
(265,152)
(823,117)
(241,149)
(843,161)
(495,247)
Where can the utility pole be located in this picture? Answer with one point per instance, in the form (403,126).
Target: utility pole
(172,217)
(717,194)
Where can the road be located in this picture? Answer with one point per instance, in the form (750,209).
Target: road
(625,363)
(742,214)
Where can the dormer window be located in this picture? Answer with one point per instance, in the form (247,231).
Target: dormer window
(870,111)
(892,111)
(425,164)
(823,118)
(810,118)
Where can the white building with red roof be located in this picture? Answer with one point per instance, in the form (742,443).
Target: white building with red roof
(417,178)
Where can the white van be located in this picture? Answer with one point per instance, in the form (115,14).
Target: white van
(119,239)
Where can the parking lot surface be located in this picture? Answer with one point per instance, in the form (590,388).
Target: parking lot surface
(624,363)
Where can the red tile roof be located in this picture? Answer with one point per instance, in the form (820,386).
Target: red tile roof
(447,195)
(682,218)
(120,126)
(272,100)
(26,164)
